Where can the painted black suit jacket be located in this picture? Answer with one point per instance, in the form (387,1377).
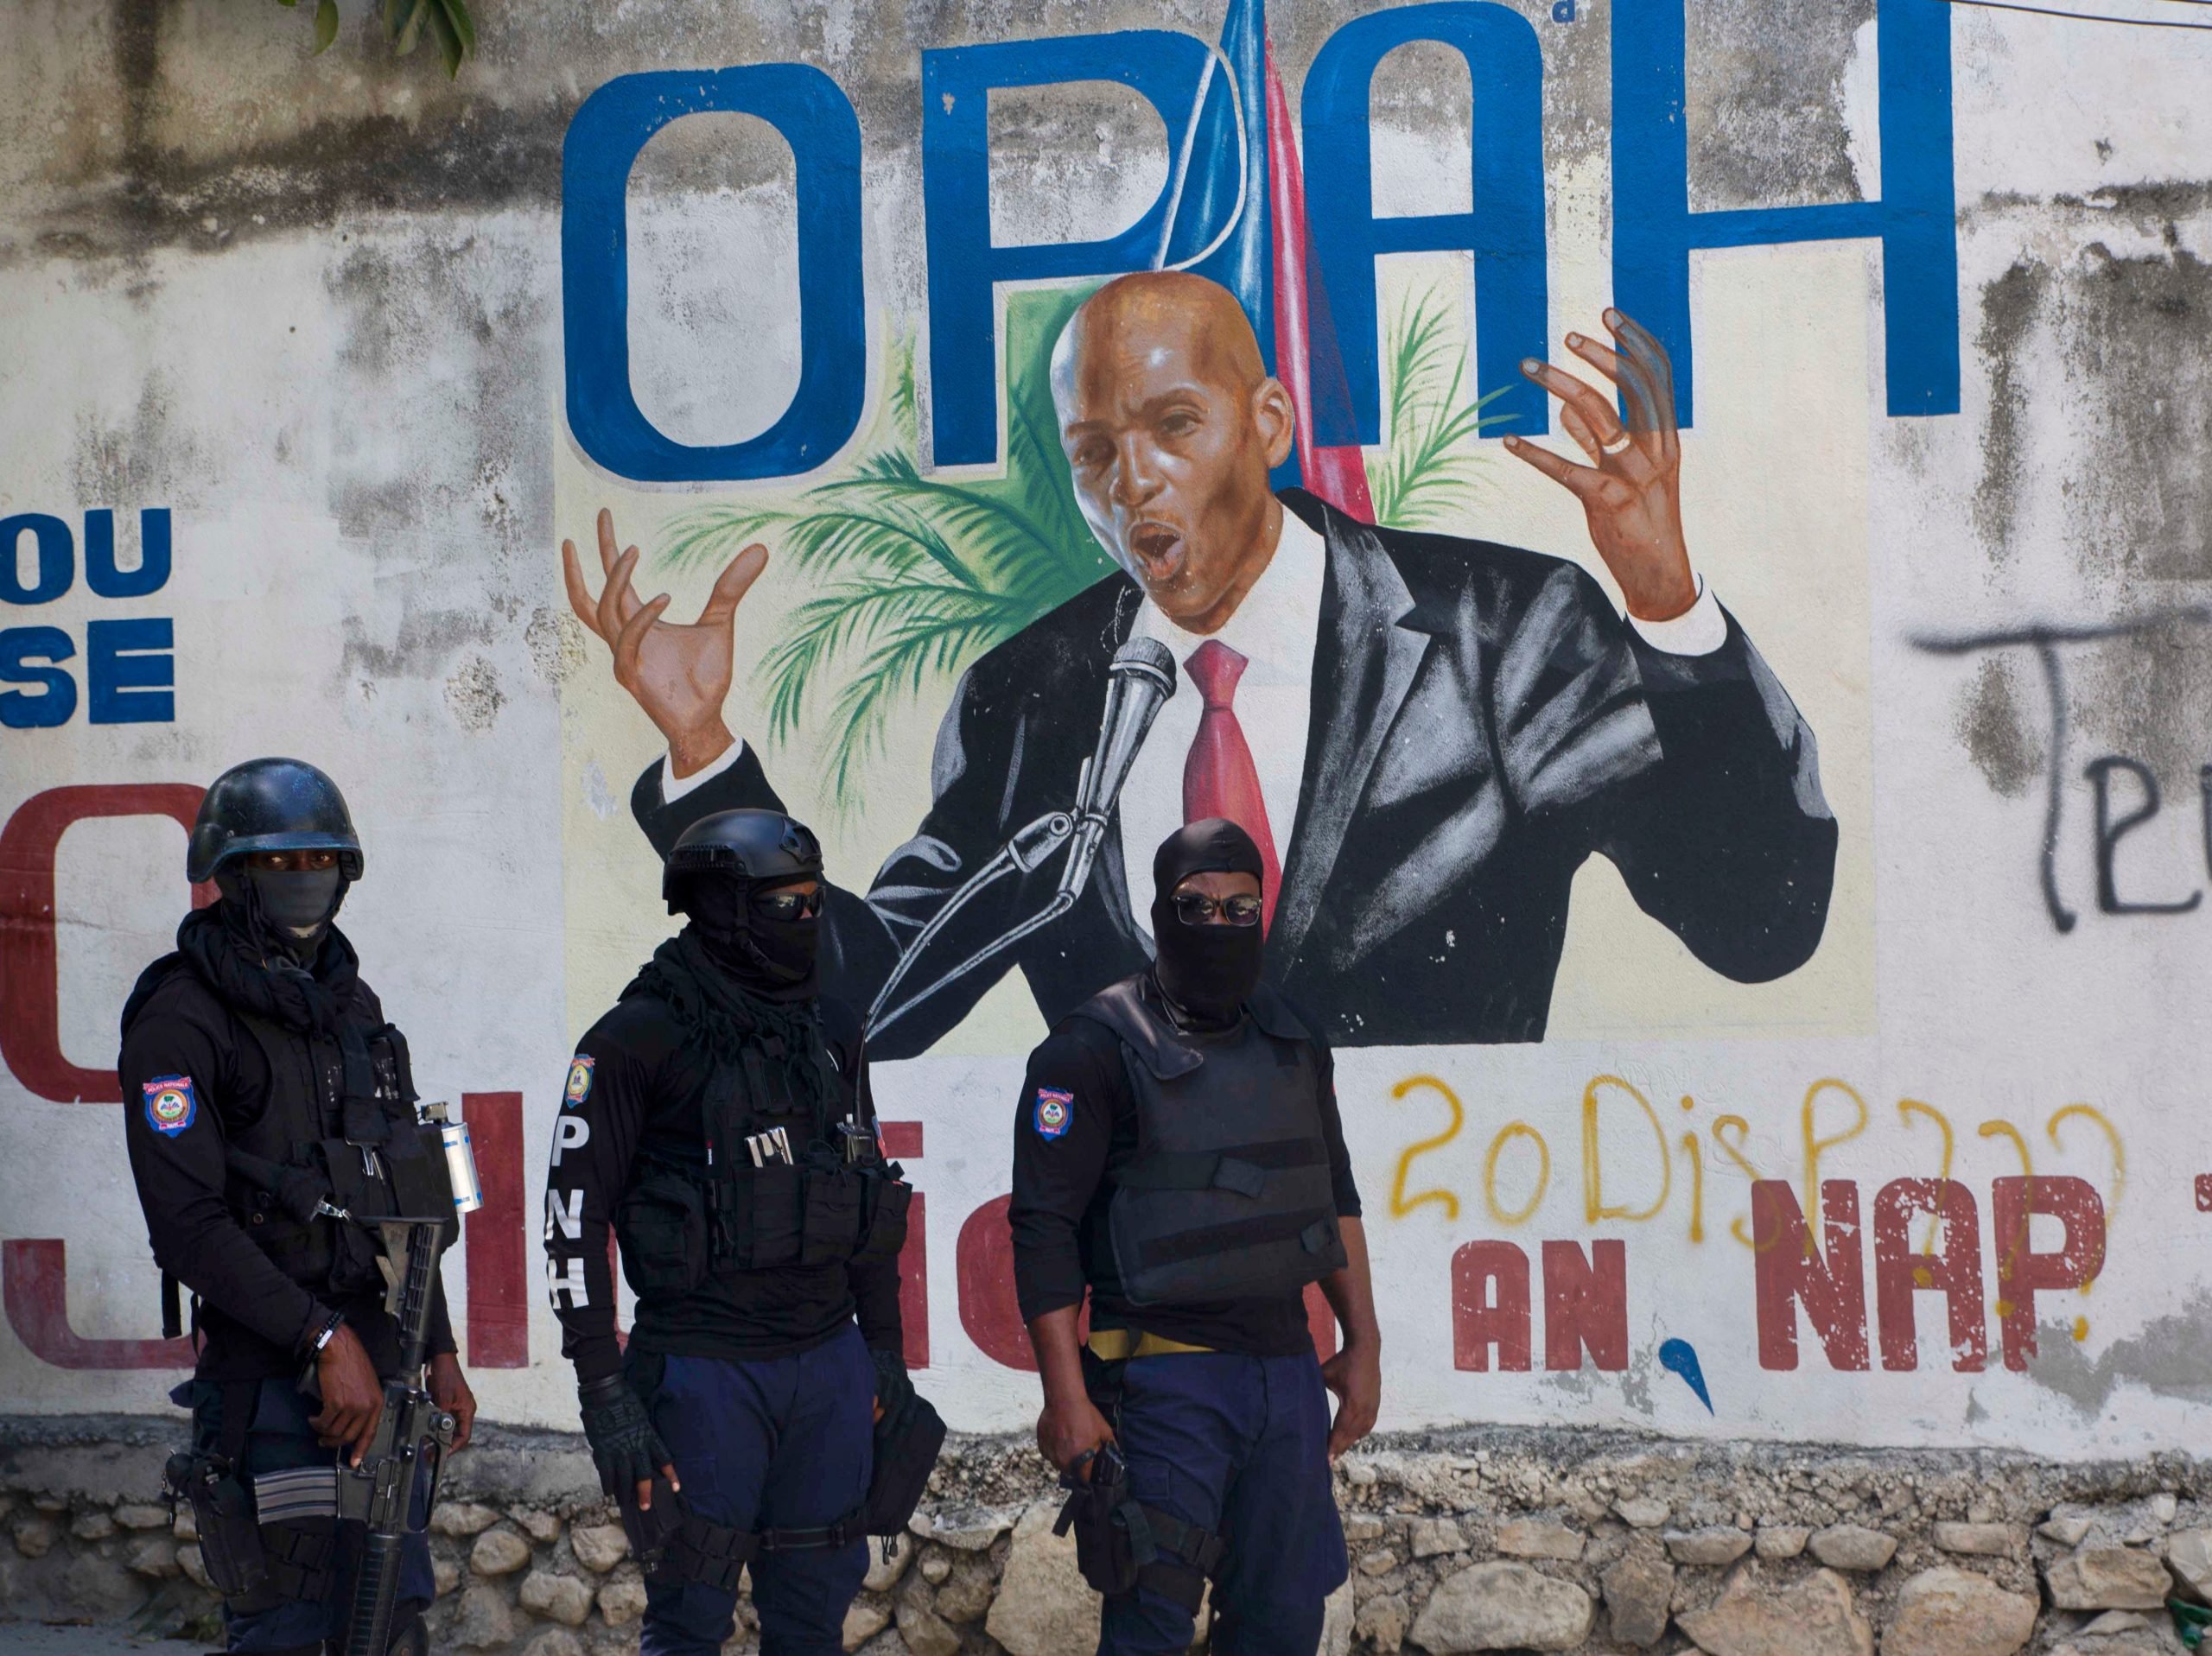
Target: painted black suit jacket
(1484,720)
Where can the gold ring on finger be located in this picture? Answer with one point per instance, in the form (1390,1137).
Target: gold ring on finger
(1618,446)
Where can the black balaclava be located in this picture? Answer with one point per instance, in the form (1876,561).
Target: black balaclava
(774,958)
(294,907)
(1209,970)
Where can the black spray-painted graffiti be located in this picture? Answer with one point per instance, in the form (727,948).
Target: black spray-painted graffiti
(2100,771)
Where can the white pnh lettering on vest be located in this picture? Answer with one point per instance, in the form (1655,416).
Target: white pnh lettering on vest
(565,1209)
(570,1133)
(566,1278)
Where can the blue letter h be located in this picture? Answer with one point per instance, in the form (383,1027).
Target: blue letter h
(1654,229)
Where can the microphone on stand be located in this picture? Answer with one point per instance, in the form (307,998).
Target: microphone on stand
(1138,683)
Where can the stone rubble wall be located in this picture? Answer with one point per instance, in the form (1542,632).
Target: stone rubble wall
(1478,1540)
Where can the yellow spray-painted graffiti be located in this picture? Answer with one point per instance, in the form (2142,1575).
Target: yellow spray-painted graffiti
(1814,1145)
(1506,1134)
(1593,1178)
(1907,1108)
(1819,1140)
(1401,1203)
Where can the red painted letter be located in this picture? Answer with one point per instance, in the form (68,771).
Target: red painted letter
(2021,1271)
(1489,1307)
(988,1310)
(1790,1268)
(1585,1303)
(30,1011)
(902,1142)
(1955,1272)
(36,1291)
(493,1237)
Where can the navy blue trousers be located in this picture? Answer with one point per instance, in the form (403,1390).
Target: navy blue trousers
(1239,1445)
(282,1440)
(784,1443)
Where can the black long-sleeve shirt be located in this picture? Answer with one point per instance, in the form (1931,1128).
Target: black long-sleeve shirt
(636,1085)
(1061,1193)
(252,1315)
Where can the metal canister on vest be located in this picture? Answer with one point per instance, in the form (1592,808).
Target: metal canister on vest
(460,1156)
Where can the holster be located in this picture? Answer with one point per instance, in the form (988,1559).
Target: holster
(263,1544)
(1121,1543)
(229,1538)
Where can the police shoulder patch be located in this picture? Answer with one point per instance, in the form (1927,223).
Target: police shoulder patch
(579,1086)
(170,1103)
(1055,1109)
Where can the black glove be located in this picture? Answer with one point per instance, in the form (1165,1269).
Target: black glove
(623,1445)
(893,1387)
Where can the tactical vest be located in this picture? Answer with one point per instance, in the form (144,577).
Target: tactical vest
(1228,1196)
(837,1201)
(339,1130)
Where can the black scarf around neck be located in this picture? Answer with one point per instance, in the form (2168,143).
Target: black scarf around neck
(217,943)
(726,1018)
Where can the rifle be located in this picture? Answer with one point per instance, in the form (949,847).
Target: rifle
(378,1493)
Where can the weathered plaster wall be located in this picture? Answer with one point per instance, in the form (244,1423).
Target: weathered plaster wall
(313,309)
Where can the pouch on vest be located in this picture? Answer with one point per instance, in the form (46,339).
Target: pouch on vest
(889,1200)
(662,1226)
(777,1196)
(831,1229)
(421,1186)
(357,1190)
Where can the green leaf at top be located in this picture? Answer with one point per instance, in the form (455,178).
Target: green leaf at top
(449,51)
(325,24)
(464,26)
(411,32)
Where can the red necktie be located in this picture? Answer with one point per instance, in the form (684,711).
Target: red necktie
(1219,778)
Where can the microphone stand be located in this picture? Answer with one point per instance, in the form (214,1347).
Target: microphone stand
(1028,850)
(1083,829)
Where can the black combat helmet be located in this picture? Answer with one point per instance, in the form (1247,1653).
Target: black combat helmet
(748,845)
(272,805)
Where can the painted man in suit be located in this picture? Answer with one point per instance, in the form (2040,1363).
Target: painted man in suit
(1425,735)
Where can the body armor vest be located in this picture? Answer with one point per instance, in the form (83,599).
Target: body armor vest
(1228,1196)
(836,1201)
(339,1127)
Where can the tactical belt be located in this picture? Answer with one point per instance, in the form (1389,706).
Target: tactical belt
(695,1550)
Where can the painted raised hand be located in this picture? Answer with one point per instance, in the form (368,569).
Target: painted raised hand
(1631,489)
(679,674)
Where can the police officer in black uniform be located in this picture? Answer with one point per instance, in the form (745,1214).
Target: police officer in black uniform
(260,1078)
(1177,1154)
(718,1117)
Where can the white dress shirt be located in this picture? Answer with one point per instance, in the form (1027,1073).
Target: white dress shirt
(1276,630)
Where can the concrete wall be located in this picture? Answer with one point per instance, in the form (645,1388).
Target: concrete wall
(313,311)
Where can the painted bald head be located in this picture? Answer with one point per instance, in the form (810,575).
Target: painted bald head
(1171,425)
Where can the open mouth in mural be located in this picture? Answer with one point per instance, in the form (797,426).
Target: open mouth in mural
(1157,549)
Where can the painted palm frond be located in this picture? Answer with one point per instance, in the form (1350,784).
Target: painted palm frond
(1426,476)
(924,574)
(915,576)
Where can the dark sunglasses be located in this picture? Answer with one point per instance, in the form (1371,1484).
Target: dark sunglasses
(788,904)
(1196,909)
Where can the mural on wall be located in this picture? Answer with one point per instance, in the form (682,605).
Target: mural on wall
(1480,719)
(1441,729)
(913,404)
